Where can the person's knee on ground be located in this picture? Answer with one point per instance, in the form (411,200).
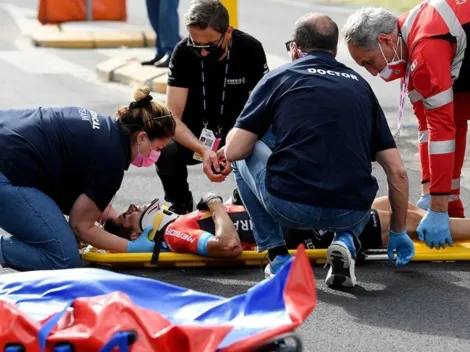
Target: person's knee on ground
(60,257)
(40,238)
(70,260)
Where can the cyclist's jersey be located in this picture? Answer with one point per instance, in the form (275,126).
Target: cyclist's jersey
(184,233)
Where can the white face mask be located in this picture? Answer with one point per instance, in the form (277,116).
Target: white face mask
(396,68)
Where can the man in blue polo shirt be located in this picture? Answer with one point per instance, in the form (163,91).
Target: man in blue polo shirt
(322,127)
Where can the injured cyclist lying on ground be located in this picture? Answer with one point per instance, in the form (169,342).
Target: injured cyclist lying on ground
(224,230)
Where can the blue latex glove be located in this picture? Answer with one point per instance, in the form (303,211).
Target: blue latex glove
(404,246)
(142,244)
(423,202)
(434,229)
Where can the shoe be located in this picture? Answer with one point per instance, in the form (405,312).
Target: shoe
(153,61)
(202,204)
(341,259)
(164,61)
(182,208)
(274,266)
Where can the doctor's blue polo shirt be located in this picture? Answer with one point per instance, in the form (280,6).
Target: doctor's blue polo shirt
(328,126)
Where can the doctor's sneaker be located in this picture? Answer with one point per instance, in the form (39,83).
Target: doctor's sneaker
(340,258)
(274,266)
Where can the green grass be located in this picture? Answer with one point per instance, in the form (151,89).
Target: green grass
(394,5)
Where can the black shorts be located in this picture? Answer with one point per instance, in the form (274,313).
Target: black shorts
(370,237)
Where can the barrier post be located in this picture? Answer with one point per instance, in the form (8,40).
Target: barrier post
(89,10)
(232,8)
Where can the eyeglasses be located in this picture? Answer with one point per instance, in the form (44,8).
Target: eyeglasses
(288,44)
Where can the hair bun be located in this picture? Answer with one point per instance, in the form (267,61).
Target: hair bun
(141,93)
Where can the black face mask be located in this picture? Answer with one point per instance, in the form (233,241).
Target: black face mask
(214,54)
(215,51)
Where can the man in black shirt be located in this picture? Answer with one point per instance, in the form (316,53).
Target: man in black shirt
(314,170)
(211,75)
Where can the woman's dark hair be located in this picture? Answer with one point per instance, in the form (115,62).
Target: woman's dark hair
(112,226)
(142,114)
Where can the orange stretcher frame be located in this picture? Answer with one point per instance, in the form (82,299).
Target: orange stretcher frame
(459,252)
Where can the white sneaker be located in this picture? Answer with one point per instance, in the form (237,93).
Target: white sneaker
(342,266)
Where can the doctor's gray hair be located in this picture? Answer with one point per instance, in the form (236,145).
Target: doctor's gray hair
(364,26)
(203,14)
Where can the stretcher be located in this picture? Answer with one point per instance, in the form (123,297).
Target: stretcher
(169,259)
(459,252)
(96,310)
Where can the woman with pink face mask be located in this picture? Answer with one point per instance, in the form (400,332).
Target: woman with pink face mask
(71,161)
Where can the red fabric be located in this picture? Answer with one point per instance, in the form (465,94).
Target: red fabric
(429,77)
(300,297)
(431,61)
(94,320)
(15,326)
(59,11)
(423,145)
(461,117)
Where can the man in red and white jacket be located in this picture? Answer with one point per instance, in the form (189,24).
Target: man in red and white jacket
(427,49)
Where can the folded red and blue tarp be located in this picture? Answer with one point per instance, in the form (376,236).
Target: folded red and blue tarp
(98,310)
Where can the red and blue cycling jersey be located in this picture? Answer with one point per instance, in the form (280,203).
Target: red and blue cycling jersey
(190,233)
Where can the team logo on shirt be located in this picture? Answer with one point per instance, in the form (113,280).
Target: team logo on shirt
(236,81)
(183,236)
(413,65)
(243,225)
(90,116)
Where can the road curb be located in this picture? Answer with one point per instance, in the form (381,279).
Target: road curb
(129,71)
(52,36)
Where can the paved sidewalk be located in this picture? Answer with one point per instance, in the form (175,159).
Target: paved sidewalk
(96,34)
(124,67)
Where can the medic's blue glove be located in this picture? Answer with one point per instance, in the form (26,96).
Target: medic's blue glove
(434,229)
(404,246)
(142,244)
(423,202)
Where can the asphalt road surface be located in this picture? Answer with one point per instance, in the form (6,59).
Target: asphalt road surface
(423,307)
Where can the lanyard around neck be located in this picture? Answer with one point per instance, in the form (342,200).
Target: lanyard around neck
(204,99)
